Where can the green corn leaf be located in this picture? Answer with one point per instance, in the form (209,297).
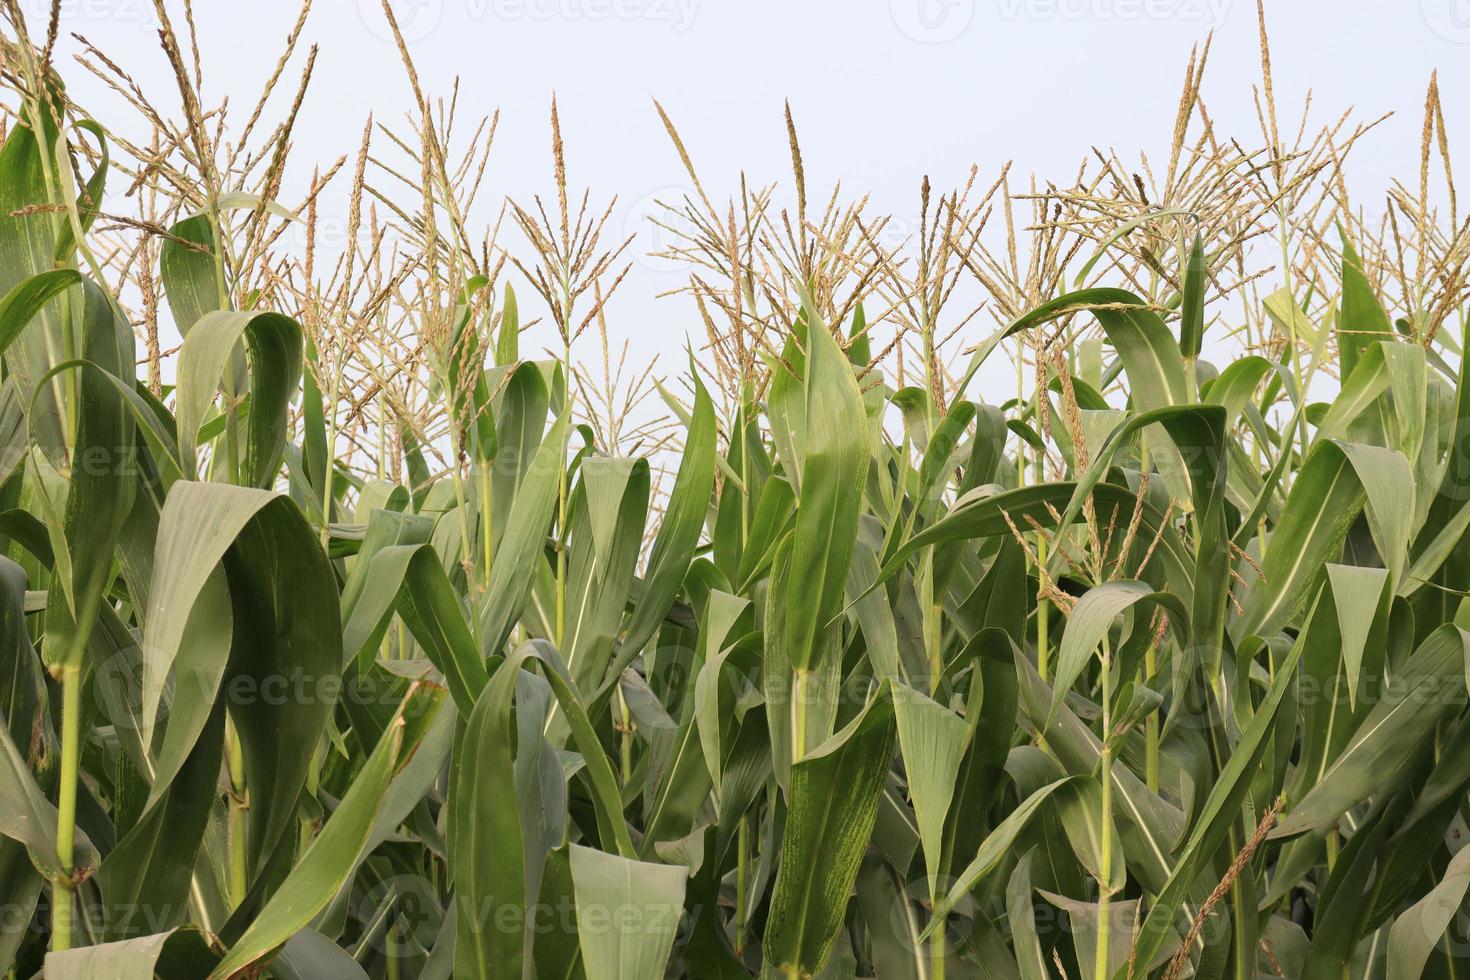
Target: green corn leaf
(932,740)
(1090,622)
(833,472)
(485,838)
(521,547)
(834,802)
(1335,483)
(993,850)
(1192,301)
(1149,354)
(1361,314)
(1428,684)
(1418,929)
(644,902)
(172,955)
(275,346)
(324,867)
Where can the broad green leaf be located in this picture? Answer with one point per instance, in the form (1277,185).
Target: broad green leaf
(27,298)
(309,955)
(678,535)
(172,955)
(834,468)
(275,345)
(1221,808)
(1080,811)
(833,804)
(1358,591)
(147,876)
(1418,929)
(102,474)
(26,718)
(1192,301)
(199,523)
(285,668)
(1432,681)
(521,546)
(1091,620)
(1021,915)
(1149,353)
(1331,489)
(324,867)
(993,850)
(627,913)
(507,344)
(485,837)
(932,739)
(1233,389)
(1362,316)
(189,268)
(431,611)
(724,610)
(1287,314)
(894,921)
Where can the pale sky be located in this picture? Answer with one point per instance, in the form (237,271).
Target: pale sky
(883,91)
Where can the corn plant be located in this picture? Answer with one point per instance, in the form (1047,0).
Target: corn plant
(367,645)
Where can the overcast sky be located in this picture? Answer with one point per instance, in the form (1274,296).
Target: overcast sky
(884,91)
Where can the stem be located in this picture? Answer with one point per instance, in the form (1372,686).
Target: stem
(1151,726)
(466,547)
(239,870)
(932,608)
(232,418)
(625,734)
(232,444)
(1243,939)
(331,436)
(1020,399)
(1296,354)
(1042,609)
(62,888)
(742,884)
(744,474)
(1105,857)
(487,524)
(799,680)
(561,519)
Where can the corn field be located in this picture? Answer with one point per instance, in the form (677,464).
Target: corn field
(1071,586)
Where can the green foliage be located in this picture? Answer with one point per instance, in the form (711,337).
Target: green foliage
(1158,669)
